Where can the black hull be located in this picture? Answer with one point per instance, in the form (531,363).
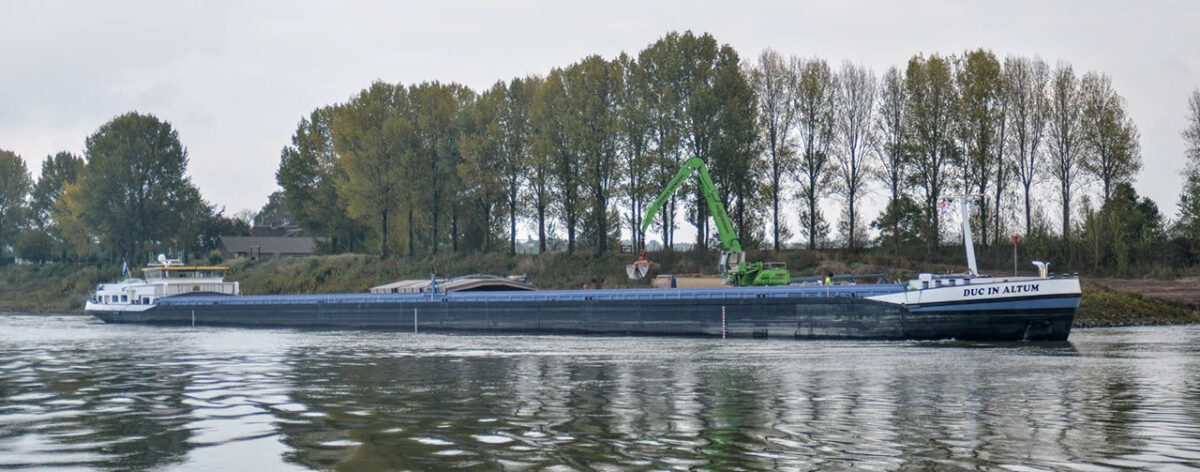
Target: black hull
(800,318)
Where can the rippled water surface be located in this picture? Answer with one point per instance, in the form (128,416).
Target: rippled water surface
(78,394)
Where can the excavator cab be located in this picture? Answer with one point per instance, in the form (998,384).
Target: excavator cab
(730,262)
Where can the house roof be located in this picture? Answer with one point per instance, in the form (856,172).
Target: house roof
(268,244)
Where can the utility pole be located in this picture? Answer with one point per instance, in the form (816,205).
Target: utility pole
(1015,239)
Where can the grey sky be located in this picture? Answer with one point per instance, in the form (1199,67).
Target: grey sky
(234,78)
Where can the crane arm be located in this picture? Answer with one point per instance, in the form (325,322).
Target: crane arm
(729,239)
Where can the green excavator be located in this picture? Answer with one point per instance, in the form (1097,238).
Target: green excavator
(733,263)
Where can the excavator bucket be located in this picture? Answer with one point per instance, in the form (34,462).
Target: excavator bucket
(641,268)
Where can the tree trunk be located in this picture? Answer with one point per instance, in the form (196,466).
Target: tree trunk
(383,234)
(512,221)
(541,211)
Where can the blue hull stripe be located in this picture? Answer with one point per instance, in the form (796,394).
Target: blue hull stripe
(1025,304)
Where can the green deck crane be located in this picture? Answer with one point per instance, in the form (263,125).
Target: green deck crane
(733,263)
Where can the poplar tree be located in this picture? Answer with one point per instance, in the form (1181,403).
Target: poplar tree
(665,87)
(855,136)
(979,79)
(308,172)
(1112,152)
(1189,200)
(633,124)
(816,98)
(932,113)
(1028,80)
(373,133)
(774,79)
(1065,135)
(893,151)
(14,193)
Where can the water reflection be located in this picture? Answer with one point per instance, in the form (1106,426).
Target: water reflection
(77,394)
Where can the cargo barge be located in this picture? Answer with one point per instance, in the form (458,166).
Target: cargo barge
(930,307)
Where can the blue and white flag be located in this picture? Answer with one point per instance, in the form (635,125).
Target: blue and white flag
(124,268)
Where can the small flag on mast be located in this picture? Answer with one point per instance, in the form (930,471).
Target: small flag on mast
(124,267)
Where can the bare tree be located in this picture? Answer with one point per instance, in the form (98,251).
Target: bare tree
(1112,153)
(775,82)
(891,132)
(855,136)
(1064,132)
(1028,80)
(816,97)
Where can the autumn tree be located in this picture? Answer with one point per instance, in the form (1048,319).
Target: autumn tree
(482,170)
(1188,224)
(891,128)
(662,62)
(932,112)
(1112,153)
(554,142)
(635,135)
(775,84)
(1028,80)
(433,175)
(373,133)
(14,193)
(1065,137)
(856,95)
(308,172)
(816,99)
(517,129)
(979,80)
(58,171)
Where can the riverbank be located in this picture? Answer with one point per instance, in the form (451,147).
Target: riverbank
(63,288)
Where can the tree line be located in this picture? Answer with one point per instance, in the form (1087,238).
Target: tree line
(578,152)
(127,197)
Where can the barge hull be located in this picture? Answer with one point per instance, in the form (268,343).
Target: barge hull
(757,315)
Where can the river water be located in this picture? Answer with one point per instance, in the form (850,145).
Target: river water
(79,394)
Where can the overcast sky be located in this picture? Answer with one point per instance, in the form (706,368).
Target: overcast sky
(234,78)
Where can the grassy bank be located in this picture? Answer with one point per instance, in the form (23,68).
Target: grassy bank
(64,288)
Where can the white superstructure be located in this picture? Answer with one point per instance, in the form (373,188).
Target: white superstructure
(167,278)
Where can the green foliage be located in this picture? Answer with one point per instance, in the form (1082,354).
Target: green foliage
(1112,150)
(815,118)
(373,134)
(14,190)
(1126,233)
(308,173)
(34,245)
(216,224)
(899,225)
(134,192)
(931,113)
(275,212)
(58,171)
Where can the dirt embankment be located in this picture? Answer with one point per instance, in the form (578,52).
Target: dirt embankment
(1184,291)
(1131,302)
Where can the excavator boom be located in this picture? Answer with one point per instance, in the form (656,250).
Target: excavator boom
(733,260)
(729,238)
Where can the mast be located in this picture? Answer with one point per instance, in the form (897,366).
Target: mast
(964,203)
